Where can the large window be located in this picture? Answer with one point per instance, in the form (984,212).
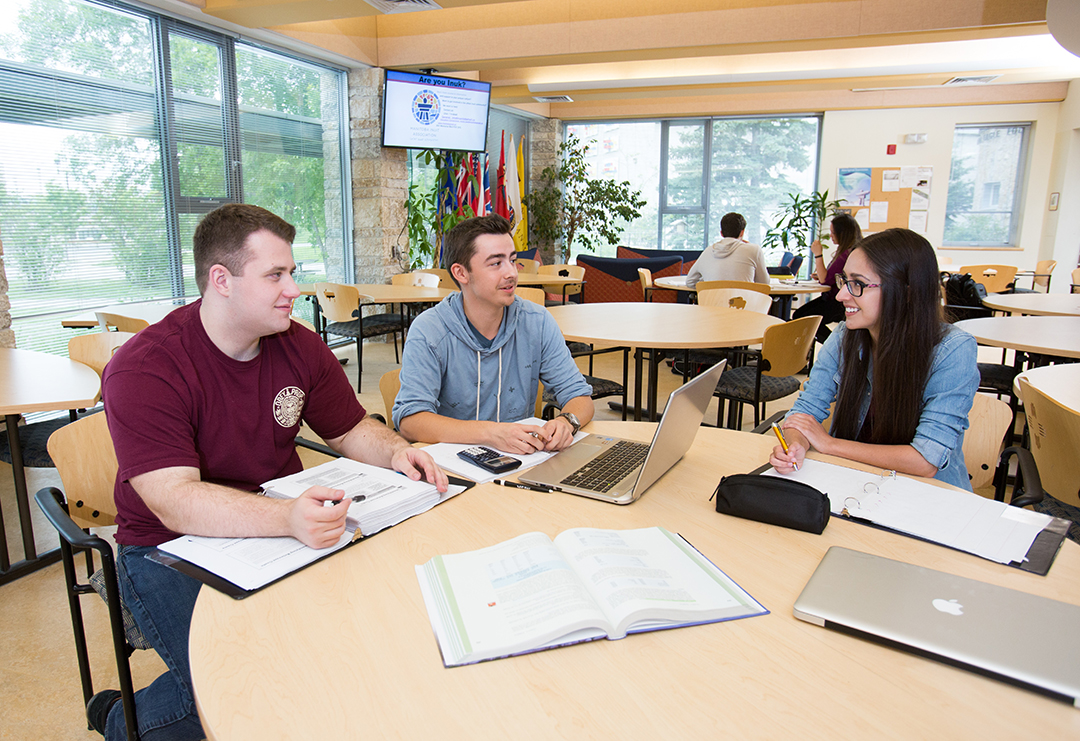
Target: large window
(692,172)
(120,129)
(986,184)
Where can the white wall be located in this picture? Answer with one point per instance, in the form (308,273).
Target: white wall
(1061,228)
(859,139)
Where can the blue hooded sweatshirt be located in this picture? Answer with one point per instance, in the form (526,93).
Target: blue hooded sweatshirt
(446,370)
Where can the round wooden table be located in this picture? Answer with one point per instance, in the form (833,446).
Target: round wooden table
(152,312)
(1060,382)
(783,291)
(656,327)
(344,649)
(36,382)
(1038,304)
(1058,336)
(549,282)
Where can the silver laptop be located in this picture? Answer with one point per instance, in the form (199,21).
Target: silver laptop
(619,471)
(1028,641)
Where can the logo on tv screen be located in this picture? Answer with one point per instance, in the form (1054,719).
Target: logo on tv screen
(426,107)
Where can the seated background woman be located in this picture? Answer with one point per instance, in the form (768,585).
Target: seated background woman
(902,379)
(845,232)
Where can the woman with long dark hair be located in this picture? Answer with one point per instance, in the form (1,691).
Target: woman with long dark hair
(903,380)
(845,232)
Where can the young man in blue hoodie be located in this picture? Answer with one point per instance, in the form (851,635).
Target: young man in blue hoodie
(470,366)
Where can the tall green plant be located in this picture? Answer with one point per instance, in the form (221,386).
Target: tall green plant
(430,210)
(800,221)
(570,205)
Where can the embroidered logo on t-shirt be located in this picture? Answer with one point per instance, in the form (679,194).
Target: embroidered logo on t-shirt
(288,405)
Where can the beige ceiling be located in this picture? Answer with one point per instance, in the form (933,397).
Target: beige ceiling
(649,58)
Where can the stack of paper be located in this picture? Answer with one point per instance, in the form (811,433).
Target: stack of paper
(959,519)
(381,497)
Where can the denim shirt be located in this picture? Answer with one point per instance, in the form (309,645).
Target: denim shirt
(947,398)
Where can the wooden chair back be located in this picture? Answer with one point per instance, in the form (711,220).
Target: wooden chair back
(645,277)
(338,302)
(86,461)
(538,409)
(303,322)
(995,278)
(988,421)
(1044,269)
(445,281)
(735,298)
(107,320)
(706,285)
(577,272)
(536,295)
(525,265)
(389,385)
(786,347)
(96,349)
(1055,439)
(1075,281)
(427,280)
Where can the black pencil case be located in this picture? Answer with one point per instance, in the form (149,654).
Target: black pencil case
(774,501)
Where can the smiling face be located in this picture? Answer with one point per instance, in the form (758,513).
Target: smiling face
(262,295)
(491,276)
(863,312)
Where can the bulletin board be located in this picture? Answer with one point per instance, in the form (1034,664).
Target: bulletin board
(886,197)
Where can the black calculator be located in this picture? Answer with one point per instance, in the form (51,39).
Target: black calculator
(488,459)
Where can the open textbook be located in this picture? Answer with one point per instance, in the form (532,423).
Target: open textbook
(385,499)
(533,593)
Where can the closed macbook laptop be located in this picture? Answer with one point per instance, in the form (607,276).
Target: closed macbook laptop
(619,471)
(1025,640)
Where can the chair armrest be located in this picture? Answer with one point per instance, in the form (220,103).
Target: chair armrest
(1027,478)
(52,504)
(766,426)
(319,447)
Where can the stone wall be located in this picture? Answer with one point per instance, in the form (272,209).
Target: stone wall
(379,182)
(544,137)
(7,334)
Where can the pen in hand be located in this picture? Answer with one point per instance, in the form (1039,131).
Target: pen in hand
(783,442)
(357,498)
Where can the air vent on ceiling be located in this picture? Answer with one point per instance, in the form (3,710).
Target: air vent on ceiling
(974,80)
(403,6)
(553,99)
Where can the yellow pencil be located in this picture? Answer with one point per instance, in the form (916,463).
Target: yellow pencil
(783,442)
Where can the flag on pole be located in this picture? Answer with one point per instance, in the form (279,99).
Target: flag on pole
(465,193)
(485,205)
(521,230)
(513,194)
(502,205)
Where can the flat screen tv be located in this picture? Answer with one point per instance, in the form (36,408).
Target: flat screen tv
(431,112)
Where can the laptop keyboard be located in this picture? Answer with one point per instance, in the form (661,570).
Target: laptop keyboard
(608,468)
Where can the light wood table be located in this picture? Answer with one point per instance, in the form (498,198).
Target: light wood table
(36,382)
(382,293)
(782,291)
(345,650)
(1060,382)
(656,327)
(1038,304)
(152,312)
(547,281)
(1043,335)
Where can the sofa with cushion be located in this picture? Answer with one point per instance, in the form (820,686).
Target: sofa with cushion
(613,279)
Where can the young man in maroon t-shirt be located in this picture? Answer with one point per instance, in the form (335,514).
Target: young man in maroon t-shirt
(203,407)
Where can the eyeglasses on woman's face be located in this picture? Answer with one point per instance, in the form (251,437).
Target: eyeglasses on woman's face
(854,287)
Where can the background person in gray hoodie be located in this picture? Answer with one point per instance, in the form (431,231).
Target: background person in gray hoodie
(732,258)
(471,364)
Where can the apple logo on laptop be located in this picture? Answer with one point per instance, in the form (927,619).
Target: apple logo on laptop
(951,606)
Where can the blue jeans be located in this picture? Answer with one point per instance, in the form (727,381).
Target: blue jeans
(161,601)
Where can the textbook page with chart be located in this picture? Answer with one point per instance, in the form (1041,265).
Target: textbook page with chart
(532,593)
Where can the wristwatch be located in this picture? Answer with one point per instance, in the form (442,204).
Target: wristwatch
(573,420)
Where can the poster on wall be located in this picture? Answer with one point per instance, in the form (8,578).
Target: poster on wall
(853,186)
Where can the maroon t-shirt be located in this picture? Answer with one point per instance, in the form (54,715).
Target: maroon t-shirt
(174,399)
